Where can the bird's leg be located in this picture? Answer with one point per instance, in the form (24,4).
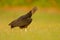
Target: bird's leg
(25,29)
(12,26)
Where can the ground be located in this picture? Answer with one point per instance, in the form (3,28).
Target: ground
(45,24)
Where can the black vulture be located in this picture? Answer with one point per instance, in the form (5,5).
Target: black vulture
(23,21)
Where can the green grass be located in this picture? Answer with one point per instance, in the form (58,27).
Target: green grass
(44,26)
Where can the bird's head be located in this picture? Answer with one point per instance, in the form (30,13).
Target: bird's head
(34,10)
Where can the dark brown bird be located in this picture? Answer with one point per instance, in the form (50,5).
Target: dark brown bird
(24,20)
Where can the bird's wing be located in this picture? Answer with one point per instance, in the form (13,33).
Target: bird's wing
(25,22)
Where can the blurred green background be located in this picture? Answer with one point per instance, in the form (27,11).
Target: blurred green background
(41,3)
(45,24)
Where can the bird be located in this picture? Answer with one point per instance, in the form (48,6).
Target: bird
(24,20)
